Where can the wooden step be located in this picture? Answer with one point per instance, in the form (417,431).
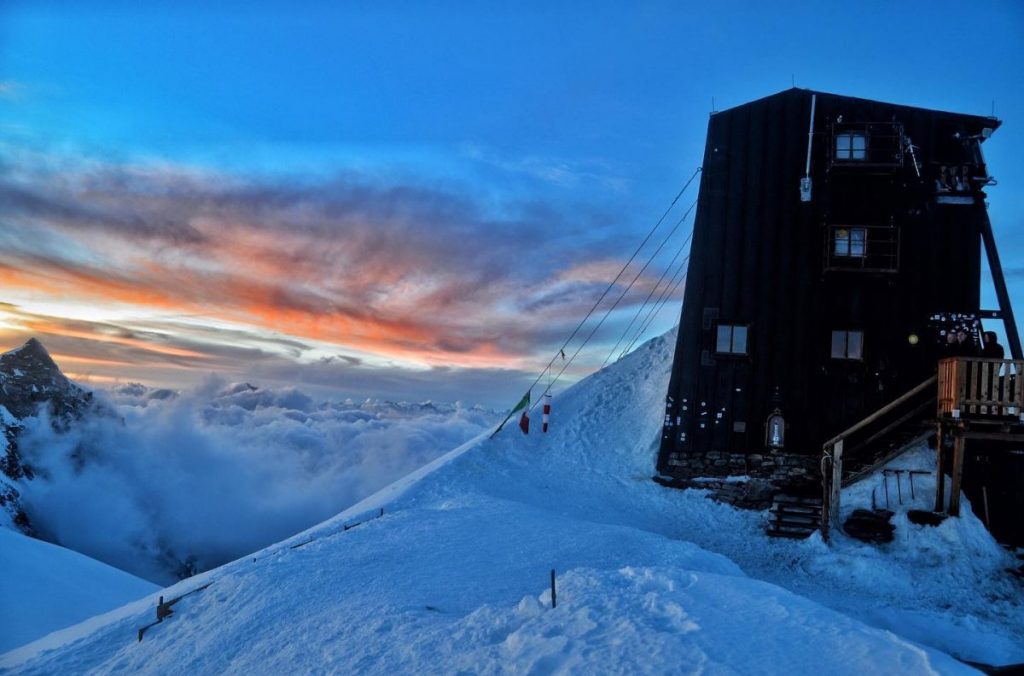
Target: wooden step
(780,508)
(803,522)
(798,535)
(782,498)
(793,516)
(786,528)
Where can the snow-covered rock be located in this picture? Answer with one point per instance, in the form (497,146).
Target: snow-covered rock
(30,382)
(29,378)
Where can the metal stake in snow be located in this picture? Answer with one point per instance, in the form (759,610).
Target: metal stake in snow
(547,413)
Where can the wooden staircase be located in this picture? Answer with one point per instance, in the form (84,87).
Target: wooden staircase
(889,432)
(871,443)
(793,516)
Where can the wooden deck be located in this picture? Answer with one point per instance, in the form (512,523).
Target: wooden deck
(978,399)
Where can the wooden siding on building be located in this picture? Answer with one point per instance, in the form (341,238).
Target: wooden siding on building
(759,258)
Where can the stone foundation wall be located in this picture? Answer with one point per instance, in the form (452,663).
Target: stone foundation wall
(780,468)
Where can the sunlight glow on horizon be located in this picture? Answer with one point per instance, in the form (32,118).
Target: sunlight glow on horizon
(398,200)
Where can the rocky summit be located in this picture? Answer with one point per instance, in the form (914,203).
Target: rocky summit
(30,383)
(30,378)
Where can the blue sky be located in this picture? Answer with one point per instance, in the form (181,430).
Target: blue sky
(532,145)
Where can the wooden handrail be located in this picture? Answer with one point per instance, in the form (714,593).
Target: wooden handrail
(832,460)
(882,411)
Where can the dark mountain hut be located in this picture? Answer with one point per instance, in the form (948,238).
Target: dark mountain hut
(837,247)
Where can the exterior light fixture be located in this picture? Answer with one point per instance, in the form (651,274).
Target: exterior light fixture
(913,339)
(775,430)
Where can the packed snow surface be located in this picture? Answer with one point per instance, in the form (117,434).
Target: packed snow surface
(44,588)
(454,575)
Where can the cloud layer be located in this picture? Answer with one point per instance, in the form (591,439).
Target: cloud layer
(173,482)
(167,267)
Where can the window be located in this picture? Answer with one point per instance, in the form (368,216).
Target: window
(850,242)
(847,344)
(851,146)
(730,339)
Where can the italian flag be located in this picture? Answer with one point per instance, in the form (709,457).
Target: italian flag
(524,421)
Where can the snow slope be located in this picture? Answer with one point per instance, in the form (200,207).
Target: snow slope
(454,575)
(44,587)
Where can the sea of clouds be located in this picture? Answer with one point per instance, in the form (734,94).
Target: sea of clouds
(167,484)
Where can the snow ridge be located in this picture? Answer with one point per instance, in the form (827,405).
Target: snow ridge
(454,575)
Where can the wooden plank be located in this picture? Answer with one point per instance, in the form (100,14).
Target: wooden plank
(947,383)
(1017,436)
(940,475)
(961,385)
(998,387)
(958,469)
(1018,386)
(985,386)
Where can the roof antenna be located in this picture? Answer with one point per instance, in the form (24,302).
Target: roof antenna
(712,104)
(792,80)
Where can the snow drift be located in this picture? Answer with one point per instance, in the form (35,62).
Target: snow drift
(44,588)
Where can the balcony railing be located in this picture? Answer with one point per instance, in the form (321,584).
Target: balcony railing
(971,387)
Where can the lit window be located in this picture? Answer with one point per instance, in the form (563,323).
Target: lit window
(851,146)
(847,344)
(731,339)
(850,242)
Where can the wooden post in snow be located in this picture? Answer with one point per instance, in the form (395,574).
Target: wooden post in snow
(984,497)
(940,468)
(958,470)
(826,494)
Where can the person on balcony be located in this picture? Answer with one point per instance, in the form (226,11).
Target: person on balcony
(963,179)
(992,349)
(959,344)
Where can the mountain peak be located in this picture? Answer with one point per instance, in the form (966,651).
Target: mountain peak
(29,376)
(32,349)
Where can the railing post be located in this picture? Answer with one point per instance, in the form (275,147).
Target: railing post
(837,481)
(940,470)
(958,468)
(826,492)
(831,484)
(961,386)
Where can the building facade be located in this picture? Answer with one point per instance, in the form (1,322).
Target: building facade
(837,244)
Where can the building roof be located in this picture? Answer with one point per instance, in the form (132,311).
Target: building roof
(981,121)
